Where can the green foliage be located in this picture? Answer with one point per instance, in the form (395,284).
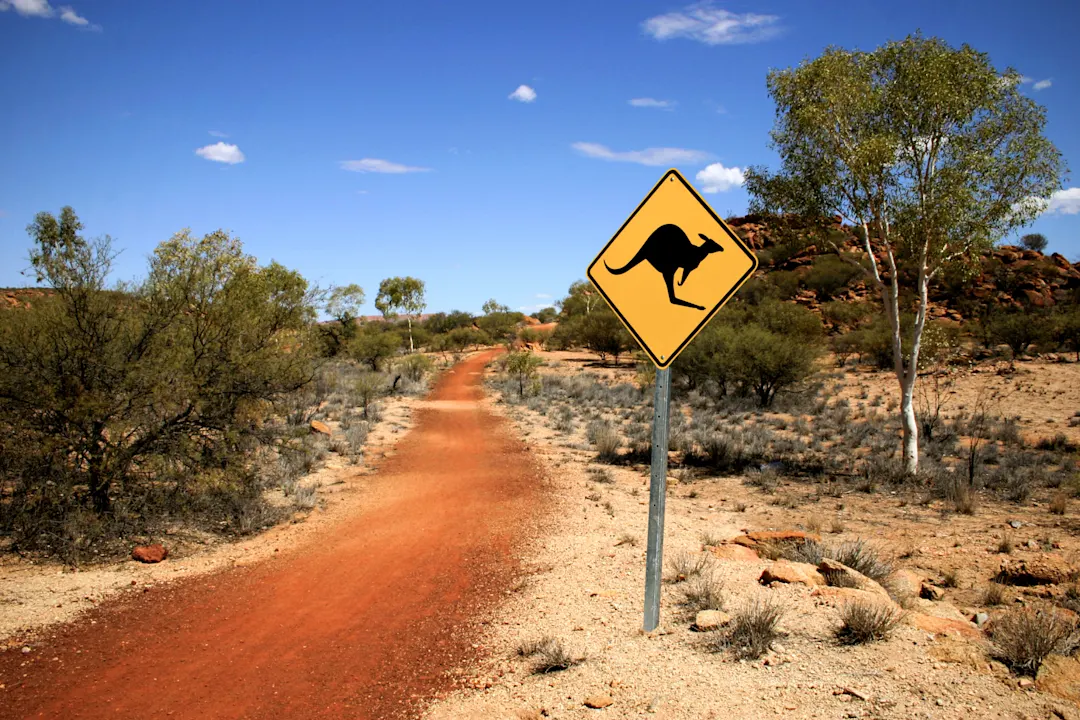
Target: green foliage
(493,306)
(374,344)
(401,295)
(501,326)
(117,407)
(523,366)
(761,350)
(547,315)
(846,314)
(415,367)
(343,305)
(1067,331)
(1034,241)
(929,148)
(369,386)
(440,323)
(604,334)
(1019,331)
(829,275)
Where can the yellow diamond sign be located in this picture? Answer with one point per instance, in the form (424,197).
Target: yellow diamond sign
(670,267)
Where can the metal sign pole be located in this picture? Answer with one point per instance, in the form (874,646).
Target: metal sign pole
(654,556)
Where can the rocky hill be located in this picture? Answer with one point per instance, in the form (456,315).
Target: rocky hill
(1010,277)
(21,297)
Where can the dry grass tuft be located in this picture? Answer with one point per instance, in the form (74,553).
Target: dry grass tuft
(705,592)
(549,653)
(686,565)
(863,621)
(753,630)
(1025,637)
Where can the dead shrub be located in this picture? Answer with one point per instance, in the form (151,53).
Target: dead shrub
(607,443)
(704,592)
(1059,503)
(1005,544)
(753,629)
(550,655)
(865,621)
(864,558)
(1025,637)
(686,565)
(994,595)
(839,578)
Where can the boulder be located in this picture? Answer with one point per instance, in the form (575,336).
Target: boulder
(754,540)
(149,553)
(952,649)
(1060,676)
(931,592)
(707,620)
(853,578)
(320,427)
(906,582)
(837,596)
(1038,570)
(738,553)
(944,626)
(784,571)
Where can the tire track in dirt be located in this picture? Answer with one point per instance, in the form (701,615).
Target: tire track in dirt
(364,622)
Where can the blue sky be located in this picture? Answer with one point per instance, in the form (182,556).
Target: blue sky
(490,149)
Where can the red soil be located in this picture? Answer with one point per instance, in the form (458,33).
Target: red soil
(366,622)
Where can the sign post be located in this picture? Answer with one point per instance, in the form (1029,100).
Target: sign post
(666,273)
(654,554)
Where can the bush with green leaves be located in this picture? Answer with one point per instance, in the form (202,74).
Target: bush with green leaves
(121,405)
(523,366)
(830,274)
(1034,241)
(415,367)
(1020,330)
(374,344)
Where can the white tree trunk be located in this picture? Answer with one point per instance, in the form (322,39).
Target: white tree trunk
(911,427)
(411,348)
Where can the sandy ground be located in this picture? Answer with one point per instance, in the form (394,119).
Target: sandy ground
(36,594)
(587,584)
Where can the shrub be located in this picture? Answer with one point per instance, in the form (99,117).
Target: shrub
(1034,241)
(550,655)
(865,621)
(1025,637)
(829,274)
(1018,330)
(1059,503)
(416,366)
(864,558)
(607,443)
(994,595)
(704,592)
(523,366)
(753,629)
(368,387)
(130,407)
(686,565)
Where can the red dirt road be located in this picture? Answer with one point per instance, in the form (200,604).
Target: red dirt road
(363,623)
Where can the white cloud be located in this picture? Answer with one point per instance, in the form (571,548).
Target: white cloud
(717,178)
(711,25)
(648,102)
(217,133)
(376,165)
(524,94)
(42,8)
(1042,84)
(28,8)
(543,296)
(1065,202)
(221,152)
(648,156)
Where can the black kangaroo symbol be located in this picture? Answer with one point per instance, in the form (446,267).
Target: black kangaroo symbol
(668,249)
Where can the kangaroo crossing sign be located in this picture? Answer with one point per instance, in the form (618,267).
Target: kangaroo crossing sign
(670,267)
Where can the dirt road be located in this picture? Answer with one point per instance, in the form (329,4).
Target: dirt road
(363,623)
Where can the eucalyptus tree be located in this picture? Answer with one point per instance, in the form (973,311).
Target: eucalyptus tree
(929,151)
(401,295)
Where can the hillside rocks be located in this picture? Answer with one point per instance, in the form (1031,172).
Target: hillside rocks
(1039,570)
(1010,277)
(851,578)
(755,540)
(320,427)
(784,571)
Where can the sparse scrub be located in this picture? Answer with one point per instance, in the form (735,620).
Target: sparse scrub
(607,443)
(549,654)
(864,558)
(704,592)
(1025,637)
(1059,503)
(1005,544)
(994,595)
(686,565)
(753,630)
(866,621)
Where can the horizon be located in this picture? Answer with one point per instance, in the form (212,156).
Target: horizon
(490,151)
